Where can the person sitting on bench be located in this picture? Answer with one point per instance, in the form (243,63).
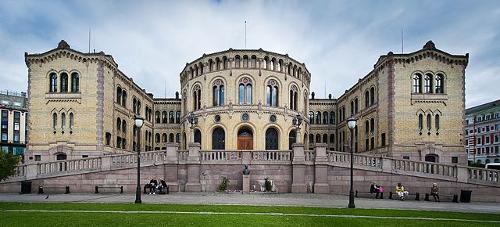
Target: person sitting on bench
(162,187)
(380,190)
(400,190)
(435,192)
(374,188)
(152,186)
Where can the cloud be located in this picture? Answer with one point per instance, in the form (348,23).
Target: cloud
(339,41)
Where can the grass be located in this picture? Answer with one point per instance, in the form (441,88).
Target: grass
(65,214)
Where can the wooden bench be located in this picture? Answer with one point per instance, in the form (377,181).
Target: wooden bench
(370,194)
(42,187)
(450,197)
(417,195)
(108,186)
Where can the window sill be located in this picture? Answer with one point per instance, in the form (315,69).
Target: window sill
(429,97)
(63,96)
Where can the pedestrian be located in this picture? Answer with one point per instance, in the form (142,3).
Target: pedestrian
(435,192)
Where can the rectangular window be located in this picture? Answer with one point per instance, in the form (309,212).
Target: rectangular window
(38,157)
(406,157)
(383,140)
(85,156)
(454,159)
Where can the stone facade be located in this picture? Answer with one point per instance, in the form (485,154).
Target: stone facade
(409,106)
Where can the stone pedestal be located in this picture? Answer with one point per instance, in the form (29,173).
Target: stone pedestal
(321,170)
(246,183)
(193,169)
(299,168)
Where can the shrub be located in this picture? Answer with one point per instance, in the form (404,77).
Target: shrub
(268,185)
(8,163)
(223,184)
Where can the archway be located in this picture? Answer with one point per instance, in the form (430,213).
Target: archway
(61,156)
(271,139)
(197,136)
(291,139)
(218,139)
(245,139)
(431,158)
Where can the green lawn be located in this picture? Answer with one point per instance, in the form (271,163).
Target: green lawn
(96,214)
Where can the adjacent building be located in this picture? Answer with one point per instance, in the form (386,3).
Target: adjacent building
(409,106)
(482,132)
(13,120)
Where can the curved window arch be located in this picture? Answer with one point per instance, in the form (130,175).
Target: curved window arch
(429,123)
(53,82)
(420,122)
(54,121)
(367,99)
(197,136)
(164,117)
(124,98)
(253,61)
(428,83)
(124,126)
(197,97)
(164,137)
(218,139)
(178,117)
(318,138)
(311,138)
(63,121)
(171,117)
(171,138)
(71,120)
(325,118)
(118,124)
(318,117)
(245,61)
(218,93)
(372,96)
(178,138)
(439,84)
(294,91)
(272,139)
(157,138)
(436,121)
(272,95)
(237,61)
(332,117)
(245,90)
(245,138)
(311,117)
(417,83)
(75,82)
(157,117)
(64,82)
(292,138)
(325,138)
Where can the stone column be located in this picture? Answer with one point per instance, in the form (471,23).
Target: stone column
(299,169)
(246,184)
(386,164)
(321,170)
(31,171)
(193,168)
(462,174)
(171,167)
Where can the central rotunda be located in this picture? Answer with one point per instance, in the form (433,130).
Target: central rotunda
(245,100)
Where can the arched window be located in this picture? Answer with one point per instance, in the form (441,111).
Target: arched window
(124,126)
(157,138)
(272,93)
(53,82)
(171,117)
(372,125)
(332,138)
(332,117)
(178,138)
(271,139)
(245,90)
(157,117)
(118,124)
(164,137)
(325,138)
(293,97)
(171,137)
(318,117)
(367,127)
(197,97)
(237,61)
(325,118)
(54,121)
(372,96)
(197,136)
(63,121)
(420,122)
(164,117)
(356,105)
(218,139)
(439,84)
(291,139)
(225,62)
(265,63)
(218,63)
(64,82)
(428,83)
(429,123)
(367,99)
(253,61)
(318,138)
(218,93)
(75,82)
(436,121)
(311,138)
(245,61)
(352,108)
(311,117)
(178,117)
(124,98)
(417,83)
(71,120)
(134,105)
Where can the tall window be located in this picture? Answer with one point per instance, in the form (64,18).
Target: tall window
(71,121)
(118,124)
(171,137)
(293,97)
(325,118)
(429,123)
(311,117)
(63,121)
(164,137)
(318,117)
(119,95)
(271,139)
(237,61)
(245,90)
(218,139)
(54,121)
(428,83)
(124,98)
(367,99)
(417,83)
(164,117)
(124,126)
(197,136)
(372,125)
(75,82)
(439,83)
(157,117)
(171,117)
(436,121)
(332,117)
(178,138)
(178,117)
(218,93)
(157,138)
(352,108)
(272,93)
(64,82)
(53,82)
(356,105)
(197,97)
(420,122)
(372,96)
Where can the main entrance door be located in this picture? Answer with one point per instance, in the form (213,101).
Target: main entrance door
(245,139)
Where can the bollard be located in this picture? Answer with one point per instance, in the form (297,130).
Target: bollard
(96,189)
(121,189)
(426,197)
(455,198)
(390,195)
(417,196)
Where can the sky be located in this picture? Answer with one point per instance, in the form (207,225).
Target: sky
(339,41)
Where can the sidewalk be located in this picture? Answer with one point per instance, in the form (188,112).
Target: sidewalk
(258,199)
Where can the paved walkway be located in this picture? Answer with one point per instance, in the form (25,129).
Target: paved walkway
(258,199)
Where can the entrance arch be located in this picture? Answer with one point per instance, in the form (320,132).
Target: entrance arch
(218,139)
(272,139)
(245,138)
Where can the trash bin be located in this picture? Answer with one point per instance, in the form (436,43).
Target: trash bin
(25,187)
(465,196)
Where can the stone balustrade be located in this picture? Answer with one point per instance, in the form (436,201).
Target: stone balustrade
(272,155)
(425,168)
(67,166)
(309,155)
(484,175)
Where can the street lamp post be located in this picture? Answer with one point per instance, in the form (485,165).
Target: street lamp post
(193,120)
(297,121)
(138,121)
(351,123)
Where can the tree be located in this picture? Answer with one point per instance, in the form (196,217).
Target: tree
(8,163)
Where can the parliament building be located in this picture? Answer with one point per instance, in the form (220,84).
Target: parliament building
(409,106)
